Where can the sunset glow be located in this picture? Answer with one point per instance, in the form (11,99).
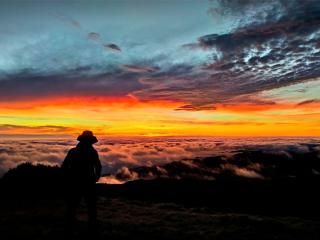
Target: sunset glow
(159,119)
(223,71)
(130,117)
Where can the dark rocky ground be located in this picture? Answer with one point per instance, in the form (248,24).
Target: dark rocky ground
(124,219)
(284,204)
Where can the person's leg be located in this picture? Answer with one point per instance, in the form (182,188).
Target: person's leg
(91,202)
(73,201)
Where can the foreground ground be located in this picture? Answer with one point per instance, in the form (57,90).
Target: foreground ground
(228,207)
(124,219)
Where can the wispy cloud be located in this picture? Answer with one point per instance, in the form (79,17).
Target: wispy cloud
(139,69)
(112,47)
(10,128)
(307,102)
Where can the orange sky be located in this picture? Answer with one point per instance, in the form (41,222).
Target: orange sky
(161,68)
(128,116)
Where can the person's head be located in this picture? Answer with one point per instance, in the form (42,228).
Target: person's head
(87,137)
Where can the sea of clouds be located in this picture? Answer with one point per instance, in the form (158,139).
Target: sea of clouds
(117,154)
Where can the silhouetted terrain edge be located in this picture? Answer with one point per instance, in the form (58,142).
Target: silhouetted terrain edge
(250,181)
(253,195)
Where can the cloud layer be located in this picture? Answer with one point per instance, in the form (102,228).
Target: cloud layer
(119,154)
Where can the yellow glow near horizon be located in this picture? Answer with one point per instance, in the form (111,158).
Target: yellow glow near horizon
(130,117)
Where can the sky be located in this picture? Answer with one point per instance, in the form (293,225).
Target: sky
(160,68)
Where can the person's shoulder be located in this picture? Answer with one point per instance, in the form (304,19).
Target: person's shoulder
(94,150)
(72,150)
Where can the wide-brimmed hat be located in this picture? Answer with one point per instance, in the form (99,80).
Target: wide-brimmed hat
(87,136)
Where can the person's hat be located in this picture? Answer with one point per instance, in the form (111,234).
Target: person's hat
(87,136)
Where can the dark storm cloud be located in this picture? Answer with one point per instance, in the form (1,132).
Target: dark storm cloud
(262,11)
(73,83)
(279,48)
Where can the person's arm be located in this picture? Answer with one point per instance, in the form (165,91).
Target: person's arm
(65,167)
(67,161)
(97,166)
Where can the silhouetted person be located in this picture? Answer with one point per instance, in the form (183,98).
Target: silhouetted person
(82,169)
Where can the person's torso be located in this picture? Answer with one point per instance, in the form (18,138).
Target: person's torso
(82,164)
